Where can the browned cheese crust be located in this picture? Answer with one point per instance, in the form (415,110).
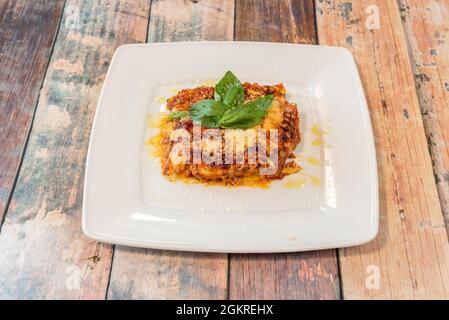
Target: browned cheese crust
(281,115)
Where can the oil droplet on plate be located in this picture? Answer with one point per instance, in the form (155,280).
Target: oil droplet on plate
(313,161)
(160,100)
(319,131)
(173,91)
(315,181)
(151,147)
(317,142)
(154,120)
(316,130)
(297,183)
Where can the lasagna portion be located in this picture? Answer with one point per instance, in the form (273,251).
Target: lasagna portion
(254,157)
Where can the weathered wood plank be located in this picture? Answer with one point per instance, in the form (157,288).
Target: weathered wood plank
(275,21)
(27,30)
(177,20)
(410,257)
(43,253)
(155,274)
(3,6)
(427,29)
(308,275)
(158,274)
(311,275)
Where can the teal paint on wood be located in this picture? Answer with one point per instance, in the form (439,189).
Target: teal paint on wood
(43,252)
(307,275)
(27,30)
(156,274)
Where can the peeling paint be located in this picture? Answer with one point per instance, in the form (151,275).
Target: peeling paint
(56,118)
(92,41)
(422,77)
(446,177)
(68,67)
(406,115)
(346,10)
(349,40)
(41,153)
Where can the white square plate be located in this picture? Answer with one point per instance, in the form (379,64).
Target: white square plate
(332,203)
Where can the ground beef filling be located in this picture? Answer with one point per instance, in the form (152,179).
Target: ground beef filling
(281,115)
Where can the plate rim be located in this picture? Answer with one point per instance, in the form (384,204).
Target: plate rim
(185,246)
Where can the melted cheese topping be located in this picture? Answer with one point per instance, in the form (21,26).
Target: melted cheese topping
(273,118)
(241,141)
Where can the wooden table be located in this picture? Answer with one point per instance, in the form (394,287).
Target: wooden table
(53,59)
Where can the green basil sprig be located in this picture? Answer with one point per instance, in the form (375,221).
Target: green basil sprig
(229,90)
(247,115)
(208,112)
(228,109)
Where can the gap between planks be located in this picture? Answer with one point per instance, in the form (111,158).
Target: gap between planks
(46,205)
(302,275)
(18,99)
(172,274)
(409,258)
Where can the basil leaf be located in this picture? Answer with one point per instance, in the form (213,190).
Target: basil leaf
(177,115)
(208,112)
(248,115)
(228,110)
(234,96)
(229,90)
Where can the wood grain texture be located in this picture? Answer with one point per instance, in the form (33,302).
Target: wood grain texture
(275,21)
(158,274)
(155,274)
(410,256)
(308,275)
(179,20)
(426,24)
(43,253)
(27,31)
(312,275)
(3,6)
